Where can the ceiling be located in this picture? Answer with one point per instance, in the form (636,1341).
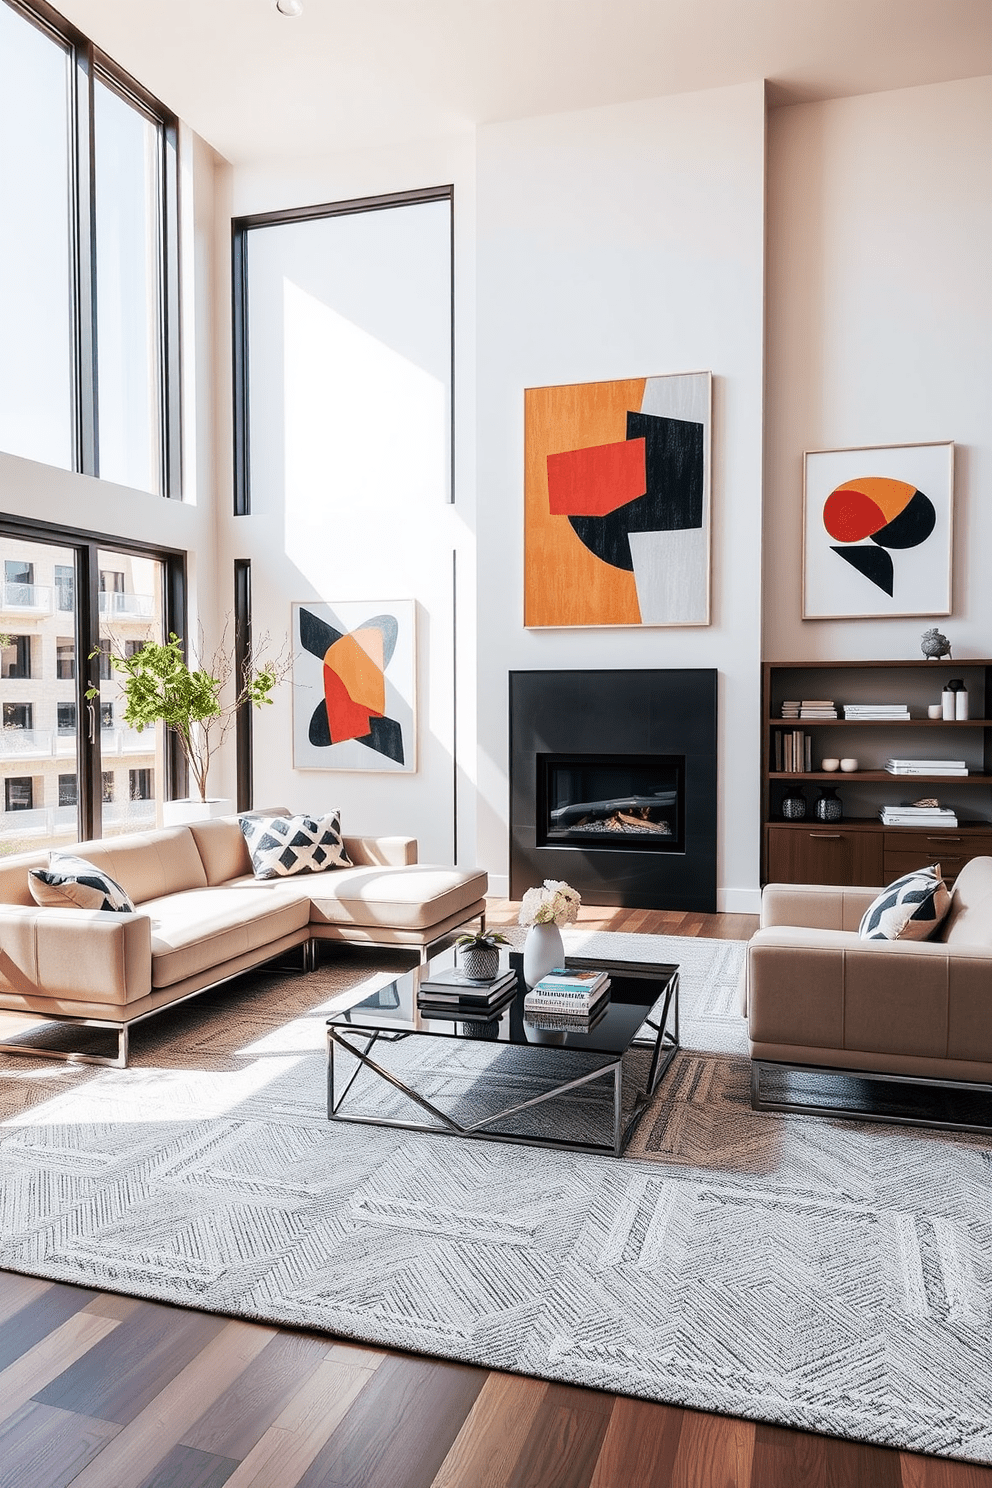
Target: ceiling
(354,73)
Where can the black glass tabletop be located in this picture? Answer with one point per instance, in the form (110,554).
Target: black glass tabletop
(636,989)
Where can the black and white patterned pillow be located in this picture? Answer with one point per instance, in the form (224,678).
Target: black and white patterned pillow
(75,883)
(910,909)
(280,846)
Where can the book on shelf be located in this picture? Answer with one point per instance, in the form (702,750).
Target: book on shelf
(875,710)
(926,767)
(896,818)
(793,751)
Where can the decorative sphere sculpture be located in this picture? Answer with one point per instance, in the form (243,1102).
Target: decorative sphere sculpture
(934,645)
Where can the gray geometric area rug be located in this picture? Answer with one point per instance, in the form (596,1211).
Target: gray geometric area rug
(825,1274)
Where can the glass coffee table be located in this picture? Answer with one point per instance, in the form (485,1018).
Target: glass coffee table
(505,1078)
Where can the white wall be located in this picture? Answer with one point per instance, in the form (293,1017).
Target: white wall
(622,242)
(880,331)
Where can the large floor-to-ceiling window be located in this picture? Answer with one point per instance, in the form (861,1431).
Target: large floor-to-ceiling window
(89,377)
(70,765)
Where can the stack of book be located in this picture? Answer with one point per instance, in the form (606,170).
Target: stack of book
(793,751)
(451,994)
(875,712)
(926,767)
(566,998)
(917,816)
(810,708)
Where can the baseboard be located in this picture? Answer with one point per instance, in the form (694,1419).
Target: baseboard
(738,901)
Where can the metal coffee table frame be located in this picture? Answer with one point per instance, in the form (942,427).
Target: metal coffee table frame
(662,1016)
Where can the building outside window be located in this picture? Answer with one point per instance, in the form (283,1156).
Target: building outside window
(17,715)
(67,790)
(65,586)
(141,785)
(107,784)
(65,714)
(106,715)
(65,659)
(15,658)
(18,793)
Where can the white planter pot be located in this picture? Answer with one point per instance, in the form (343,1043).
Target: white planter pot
(543,951)
(180,813)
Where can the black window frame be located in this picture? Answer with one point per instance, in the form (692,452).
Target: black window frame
(87,63)
(87,546)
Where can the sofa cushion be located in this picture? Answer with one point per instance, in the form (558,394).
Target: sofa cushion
(71,882)
(411,898)
(149,864)
(911,908)
(282,846)
(203,928)
(969,920)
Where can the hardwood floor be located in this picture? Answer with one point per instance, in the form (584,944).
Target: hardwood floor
(103,1391)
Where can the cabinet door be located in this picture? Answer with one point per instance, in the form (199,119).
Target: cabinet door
(905,852)
(824,855)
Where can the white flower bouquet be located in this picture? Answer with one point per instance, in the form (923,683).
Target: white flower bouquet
(555,903)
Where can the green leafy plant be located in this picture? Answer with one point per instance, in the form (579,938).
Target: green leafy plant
(482,940)
(198,704)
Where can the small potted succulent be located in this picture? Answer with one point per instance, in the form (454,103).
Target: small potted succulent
(479,954)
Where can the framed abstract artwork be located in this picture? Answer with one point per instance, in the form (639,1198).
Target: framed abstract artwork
(877,530)
(354,685)
(617,502)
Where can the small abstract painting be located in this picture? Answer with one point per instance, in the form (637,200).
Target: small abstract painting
(877,531)
(617,502)
(354,675)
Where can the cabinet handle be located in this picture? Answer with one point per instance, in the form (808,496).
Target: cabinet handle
(825,836)
(943,839)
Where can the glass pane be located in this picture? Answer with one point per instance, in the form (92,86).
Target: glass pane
(129,297)
(132,763)
(349,346)
(38,735)
(36,318)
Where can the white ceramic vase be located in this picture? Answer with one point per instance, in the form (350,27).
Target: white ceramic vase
(543,951)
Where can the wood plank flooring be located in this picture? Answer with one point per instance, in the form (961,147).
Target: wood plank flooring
(100,1391)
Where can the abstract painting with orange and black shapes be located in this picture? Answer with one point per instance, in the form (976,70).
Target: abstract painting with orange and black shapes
(877,531)
(354,675)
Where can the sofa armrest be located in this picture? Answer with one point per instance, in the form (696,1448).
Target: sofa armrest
(75,954)
(381,852)
(820,906)
(831,989)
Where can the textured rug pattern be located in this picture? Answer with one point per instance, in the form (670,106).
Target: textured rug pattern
(825,1274)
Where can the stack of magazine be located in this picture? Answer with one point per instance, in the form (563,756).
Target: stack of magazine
(567,998)
(451,994)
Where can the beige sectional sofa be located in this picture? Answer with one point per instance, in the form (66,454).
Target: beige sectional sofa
(820,997)
(201,917)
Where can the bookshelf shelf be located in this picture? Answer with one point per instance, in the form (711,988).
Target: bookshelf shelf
(860,848)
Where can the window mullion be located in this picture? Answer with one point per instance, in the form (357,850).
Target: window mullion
(88,675)
(85,264)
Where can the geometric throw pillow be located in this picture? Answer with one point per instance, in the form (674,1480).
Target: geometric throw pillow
(74,883)
(281,846)
(912,908)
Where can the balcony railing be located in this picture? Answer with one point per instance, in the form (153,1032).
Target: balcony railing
(41,821)
(126,606)
(34,597)
(21,743)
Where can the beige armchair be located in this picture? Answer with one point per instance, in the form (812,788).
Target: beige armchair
(819,998)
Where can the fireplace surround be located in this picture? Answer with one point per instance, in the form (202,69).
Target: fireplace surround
(613,785)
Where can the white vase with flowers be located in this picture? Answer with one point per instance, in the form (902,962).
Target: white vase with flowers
(545,910)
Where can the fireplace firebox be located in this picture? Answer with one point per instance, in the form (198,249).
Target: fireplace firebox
(604,802)
(613,785)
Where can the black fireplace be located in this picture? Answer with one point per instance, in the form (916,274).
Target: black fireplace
(613,785)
